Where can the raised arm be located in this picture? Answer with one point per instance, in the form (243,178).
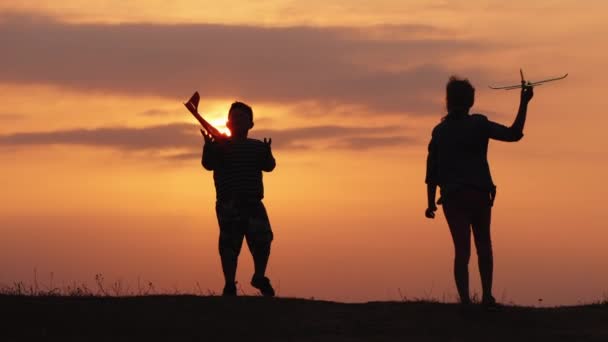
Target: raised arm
(268,162)
(516,131)
(527,92)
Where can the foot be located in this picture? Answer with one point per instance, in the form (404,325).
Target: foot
(465,301)
(229,290)
(489,303)
(263,284)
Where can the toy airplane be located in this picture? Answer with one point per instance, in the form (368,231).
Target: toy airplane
(528,83)
(192,106)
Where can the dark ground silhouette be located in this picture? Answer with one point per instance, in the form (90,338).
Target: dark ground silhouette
(191,318)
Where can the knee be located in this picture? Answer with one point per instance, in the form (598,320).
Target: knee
(265,238)
(229,253)
(485,252)
(261,242)
(462,257)
(229,248)
(261,237)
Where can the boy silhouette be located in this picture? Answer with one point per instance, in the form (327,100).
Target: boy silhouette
(237,163)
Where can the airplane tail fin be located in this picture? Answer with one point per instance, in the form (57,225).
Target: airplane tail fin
(194,100)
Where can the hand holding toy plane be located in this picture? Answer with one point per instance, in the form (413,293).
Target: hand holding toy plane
(192,106)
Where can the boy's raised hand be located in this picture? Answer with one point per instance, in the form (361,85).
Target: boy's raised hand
(267,142)
(208,138)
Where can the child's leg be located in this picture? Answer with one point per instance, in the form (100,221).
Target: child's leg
(231,239)
(459,222)
(259,237)
(483,243)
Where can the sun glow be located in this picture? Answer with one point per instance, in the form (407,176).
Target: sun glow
(220,125)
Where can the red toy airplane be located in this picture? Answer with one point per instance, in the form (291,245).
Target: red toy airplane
(192,106)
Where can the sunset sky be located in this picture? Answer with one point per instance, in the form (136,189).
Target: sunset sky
(101,165)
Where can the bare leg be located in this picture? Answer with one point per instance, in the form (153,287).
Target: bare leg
(230,249)
(259,238)
(230,242)
(483,244)
(459,223)
(260,251)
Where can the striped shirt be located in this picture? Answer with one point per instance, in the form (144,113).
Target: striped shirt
(458,152)
(237,168)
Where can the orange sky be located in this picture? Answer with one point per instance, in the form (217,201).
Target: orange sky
(101,163)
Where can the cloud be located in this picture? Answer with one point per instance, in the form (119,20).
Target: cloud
(186,138)
(11,117)
(366,143)
(155,112)
(122,138)
(331,136)
(382,69)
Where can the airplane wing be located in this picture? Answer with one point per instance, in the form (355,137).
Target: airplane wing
(507,87)
(549,80)
(515,86)
(534,84)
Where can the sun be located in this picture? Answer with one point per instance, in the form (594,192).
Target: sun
(220,125)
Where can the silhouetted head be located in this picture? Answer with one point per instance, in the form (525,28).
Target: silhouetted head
(240,119)
(459,95)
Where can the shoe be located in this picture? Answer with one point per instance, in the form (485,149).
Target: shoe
(490,304)
(263,284)
(229,290)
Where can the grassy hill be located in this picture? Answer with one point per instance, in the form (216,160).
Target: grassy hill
(194,318)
